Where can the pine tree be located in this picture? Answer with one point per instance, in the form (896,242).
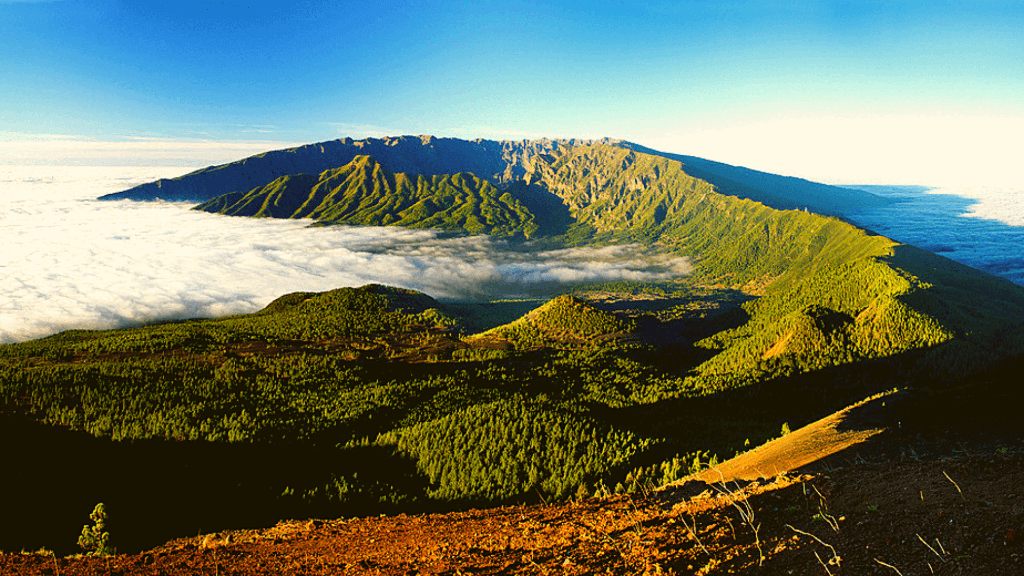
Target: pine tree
(95,539)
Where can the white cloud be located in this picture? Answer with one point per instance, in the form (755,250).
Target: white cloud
(979,226)
(927,150)
(345,129)
(18,149)
(70,261)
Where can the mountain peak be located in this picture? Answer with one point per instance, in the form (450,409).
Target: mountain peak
(365,192)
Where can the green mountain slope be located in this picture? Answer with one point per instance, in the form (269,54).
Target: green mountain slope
(622,195)
(380,399)
(364,192)
(342,319)
(502,163)
(831,293)
(565,321)
(781,192)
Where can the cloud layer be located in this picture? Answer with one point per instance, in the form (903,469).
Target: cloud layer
(979,226)
(17,149)
(72,262)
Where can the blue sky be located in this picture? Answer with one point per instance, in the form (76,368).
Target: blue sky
(893,92)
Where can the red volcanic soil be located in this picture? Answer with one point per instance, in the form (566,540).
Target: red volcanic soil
(905,493)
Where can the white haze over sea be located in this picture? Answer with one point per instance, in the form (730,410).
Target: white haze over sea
(981,226)
(70,261)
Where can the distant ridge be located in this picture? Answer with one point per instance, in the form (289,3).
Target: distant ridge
(782,192)
(499,162)
(502,163)
(366,193)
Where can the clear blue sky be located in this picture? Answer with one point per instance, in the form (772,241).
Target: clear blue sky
(819,89)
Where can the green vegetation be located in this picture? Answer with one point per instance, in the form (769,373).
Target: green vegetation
(367,317)
(95,539)
(376,399)
(565,321)
(364,192)
(513,448)
(626,196)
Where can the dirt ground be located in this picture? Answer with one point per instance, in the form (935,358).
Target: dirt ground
(909,498)
(957,515)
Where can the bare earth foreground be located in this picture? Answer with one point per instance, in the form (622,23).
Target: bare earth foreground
(905,488)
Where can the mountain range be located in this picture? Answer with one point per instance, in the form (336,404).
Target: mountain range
(499,162)
(376,399)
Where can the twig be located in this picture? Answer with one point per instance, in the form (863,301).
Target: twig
(929,547)
(607,537)
(731,527)
(835,555)
(634,515)
(541,496)
(693,532)
(823,565)
(56,566)
(746,511)
(757,542)
(954,484)
(823,512)
(889,566)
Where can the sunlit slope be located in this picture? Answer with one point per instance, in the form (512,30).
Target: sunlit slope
(832,293)
(363,192)
(340,319)
(616,194)
(944,318)
(502,163)
(564,322)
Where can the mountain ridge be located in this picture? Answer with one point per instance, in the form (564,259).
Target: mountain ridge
(500,162)
(366,193)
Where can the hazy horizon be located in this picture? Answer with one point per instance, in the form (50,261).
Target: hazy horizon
(888,93)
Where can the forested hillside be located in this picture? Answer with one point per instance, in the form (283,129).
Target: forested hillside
(379,399)
(564,322)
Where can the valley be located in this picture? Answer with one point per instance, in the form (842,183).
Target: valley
(356,402)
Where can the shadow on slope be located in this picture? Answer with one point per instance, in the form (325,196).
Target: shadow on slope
(959,295)
(156,490)
(751,415)
(780,192)
(499,161)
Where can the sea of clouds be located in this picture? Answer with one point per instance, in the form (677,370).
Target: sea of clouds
(981,226)
(70,261)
